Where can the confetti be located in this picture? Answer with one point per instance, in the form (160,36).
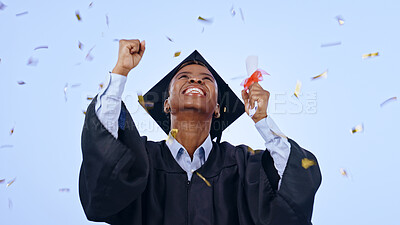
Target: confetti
(169,39)
(176,54)
(297,89)
(249,149)
(107,21)
(89,98)
(2,6)
(101,85)
(21,82)
(32,61)
(146,105)
(369,55)
(10,204)
(41,47)
(63,190)
(202,30)
(11,182)
(90,5)
(343,172)
(357,129)
(78,16)
(233,12)
(2,181)
(21,14)
(80,45)
(241,14)
(322,75)
(172,134)
(84,112)
(340,20)
(306,163)
(6,146)
(89,57)
(204,20)
(203,178)
(238,77)
(330,44)
(12,131)
(388,100)
(65,91)
(224,109)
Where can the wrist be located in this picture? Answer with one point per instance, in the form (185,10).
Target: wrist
(258,118)
(120,70)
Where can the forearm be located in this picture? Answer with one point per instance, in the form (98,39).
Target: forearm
(108,105)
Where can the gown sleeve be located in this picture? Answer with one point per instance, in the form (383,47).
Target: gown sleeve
(292,203)
(114,172)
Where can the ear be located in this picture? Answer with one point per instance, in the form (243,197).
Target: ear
(217,113)
(167,107)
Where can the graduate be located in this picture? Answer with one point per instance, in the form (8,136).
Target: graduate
(191,178)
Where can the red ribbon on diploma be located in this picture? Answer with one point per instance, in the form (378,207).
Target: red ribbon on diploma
(255,77)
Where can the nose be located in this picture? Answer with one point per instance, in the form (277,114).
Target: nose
(193,80)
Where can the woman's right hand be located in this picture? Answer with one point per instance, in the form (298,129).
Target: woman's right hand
(129,56)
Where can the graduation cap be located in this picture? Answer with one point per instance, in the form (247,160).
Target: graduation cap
(231,107)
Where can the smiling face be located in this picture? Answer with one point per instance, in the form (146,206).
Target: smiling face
(193,88)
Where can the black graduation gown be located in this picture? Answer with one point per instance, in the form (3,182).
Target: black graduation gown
(134,181)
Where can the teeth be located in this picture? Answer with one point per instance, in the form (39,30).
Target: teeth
(194,91)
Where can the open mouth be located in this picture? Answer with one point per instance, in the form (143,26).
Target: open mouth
(193,91)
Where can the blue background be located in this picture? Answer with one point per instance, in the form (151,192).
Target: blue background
(286,35)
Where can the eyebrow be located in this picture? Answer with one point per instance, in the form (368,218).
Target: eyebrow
(183,72)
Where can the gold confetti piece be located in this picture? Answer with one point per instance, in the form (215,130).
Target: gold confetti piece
(11,182)
(169,39)
(101,85)
(241,14)
(388,100)
(89,98)
(177,54)
(322,75)
(203,178)
(12,131)
(343,172)
(297,89)
(84,112)
(306,163)
(41,47)
(80,45)
(174,132)
(357,129)
(2,181)
(21,14)
(205,20)
(330,44)
(224,109)
(21,82)
(2,6)
(63,190)
(78,16)
(369,55)
(249,149)
(171,136)
(32,61)
(340,20)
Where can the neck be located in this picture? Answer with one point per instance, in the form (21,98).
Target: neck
(192,130)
